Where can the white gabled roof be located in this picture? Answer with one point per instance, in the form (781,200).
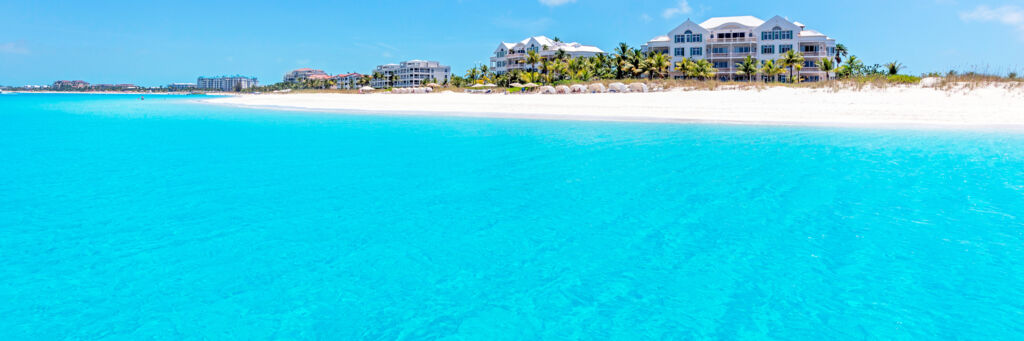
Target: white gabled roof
(659,39)
(745,20)
(811,33)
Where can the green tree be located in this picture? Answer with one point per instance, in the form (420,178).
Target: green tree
(770,69)
(894,68)
(841,52)
(748,67)
(826,66)
(703,70)
(792,60)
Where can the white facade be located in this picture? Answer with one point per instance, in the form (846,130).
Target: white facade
(348,81)
(410,74)
(302,74)
(226,83)
(512,56)
(726,41)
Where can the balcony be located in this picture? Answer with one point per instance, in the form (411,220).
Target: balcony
(732,40)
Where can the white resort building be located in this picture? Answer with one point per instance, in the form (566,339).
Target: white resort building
(226,83)
(512,56)
(299,75)
(347,81)
(726,41)
(410,74)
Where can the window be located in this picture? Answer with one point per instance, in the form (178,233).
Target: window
(785,48)
(721,65)
(810,63)
(696,51)
(777,34)
(720,50)
(810,48)
(741,49)
(680,39)
(689,37)
(679,51)
(767,49)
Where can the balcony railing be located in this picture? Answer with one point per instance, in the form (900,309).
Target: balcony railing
(732,40)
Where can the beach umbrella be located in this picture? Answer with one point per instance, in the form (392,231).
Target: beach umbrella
(562,89)
(516,85)
(638,87)
(547,89)
(490,85)
(597,88)
(530,85)
(478,86)
(617,87)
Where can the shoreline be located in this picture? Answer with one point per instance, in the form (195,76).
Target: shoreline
(916,107)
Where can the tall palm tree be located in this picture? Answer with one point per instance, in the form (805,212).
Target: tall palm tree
(622,53)
(546,66)
(841,52)
(894,68)
(685,67)
(533,59)
(792,59)
(703,69)
(658,65)
(770,69)
(826,66)
(472,74)
(748,67)
(394,79)
(561,54)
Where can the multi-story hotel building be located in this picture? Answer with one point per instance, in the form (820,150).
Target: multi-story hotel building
(226,83)
(726,41)
(512,56)
(77,84)
(411,73)
(303,74)
(347,80)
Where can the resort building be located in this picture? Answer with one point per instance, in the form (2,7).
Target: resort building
(226,83)
(181,86)
(410,74)
(512,56)
(726,41)
(347,80)
(303,74)
(70,84)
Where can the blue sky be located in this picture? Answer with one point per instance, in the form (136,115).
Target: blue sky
(160,42)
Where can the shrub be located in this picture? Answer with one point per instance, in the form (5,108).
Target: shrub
(1012,75)
(904,79)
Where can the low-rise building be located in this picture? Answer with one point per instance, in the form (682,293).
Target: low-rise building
(512,56)
(348,81)
(299,75)
(68,85)
(226,83)
(726,41)
(410,74)
(181,86)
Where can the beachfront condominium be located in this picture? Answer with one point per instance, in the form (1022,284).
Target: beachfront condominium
(409,74)
(226,83)
(299,75)
(726,41)
(67,85)
(347,80)
(512,56)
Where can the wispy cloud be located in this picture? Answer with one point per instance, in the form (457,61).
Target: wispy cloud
(553,3)
(1012,16)
(682,8)
(645,18)
(14,48)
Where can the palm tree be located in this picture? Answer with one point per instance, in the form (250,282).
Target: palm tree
(394,79)
(894,68)
(472,74)
(561,54)
(771,70)
(703,69)
(826,66)
(533,58)
(792,59)
(748,67)
(658,65)
(841,52)
(685,67)
(621,57)
(556,39)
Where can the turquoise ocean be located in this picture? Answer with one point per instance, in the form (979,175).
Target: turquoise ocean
(172,219)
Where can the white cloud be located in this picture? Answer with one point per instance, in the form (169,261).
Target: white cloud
(553,3)
(13,48)
(1012,16)
(683,8)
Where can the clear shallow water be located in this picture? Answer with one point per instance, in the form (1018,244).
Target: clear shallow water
(167,219)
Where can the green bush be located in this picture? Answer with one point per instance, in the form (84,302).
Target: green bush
(904,79)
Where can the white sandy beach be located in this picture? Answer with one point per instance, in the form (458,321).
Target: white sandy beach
(992,106)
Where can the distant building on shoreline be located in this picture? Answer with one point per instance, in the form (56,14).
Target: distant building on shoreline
(68,85)
(299,75)
(348,81)
(410,74)
(181,86)
(512,56)
(726,41)
(226,83)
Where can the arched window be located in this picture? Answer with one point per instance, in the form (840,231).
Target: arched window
(688,32)
(776,34)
